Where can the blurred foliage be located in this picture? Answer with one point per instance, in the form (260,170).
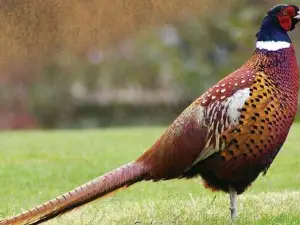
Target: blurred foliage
(82,65)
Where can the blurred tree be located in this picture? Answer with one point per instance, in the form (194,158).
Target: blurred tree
(99,63)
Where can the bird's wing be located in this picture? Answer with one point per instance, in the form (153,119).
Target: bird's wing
(243,124)
(197,132)
(222,109)
(257,131)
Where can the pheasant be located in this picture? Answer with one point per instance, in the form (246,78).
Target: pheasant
(228,136)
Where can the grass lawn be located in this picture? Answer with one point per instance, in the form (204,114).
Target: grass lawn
(37,166)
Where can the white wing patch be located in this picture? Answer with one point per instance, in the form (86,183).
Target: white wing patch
(235,103)
(218,117)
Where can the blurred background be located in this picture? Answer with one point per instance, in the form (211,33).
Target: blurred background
(91,63)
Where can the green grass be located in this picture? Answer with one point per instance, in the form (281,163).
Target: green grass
(37,166)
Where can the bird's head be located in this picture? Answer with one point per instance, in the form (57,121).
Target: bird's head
(278,21)
(287,16)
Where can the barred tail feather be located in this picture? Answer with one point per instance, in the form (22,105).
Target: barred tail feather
(97,188)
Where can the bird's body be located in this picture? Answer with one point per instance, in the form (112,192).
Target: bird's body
(237,127)
(228,136)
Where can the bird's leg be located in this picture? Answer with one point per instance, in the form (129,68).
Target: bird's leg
(233,210)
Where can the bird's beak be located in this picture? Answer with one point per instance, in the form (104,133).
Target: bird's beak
(298,16)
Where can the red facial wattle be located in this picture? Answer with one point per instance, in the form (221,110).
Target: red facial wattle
(285,18)
(285,22)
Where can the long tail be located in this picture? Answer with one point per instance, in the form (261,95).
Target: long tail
(97,188)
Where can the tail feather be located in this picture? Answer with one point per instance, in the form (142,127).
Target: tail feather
(97,188)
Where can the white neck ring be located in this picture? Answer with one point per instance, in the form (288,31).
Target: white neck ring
(272,45)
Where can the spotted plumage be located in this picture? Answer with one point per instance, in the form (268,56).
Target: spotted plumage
(238,149)
(228,136)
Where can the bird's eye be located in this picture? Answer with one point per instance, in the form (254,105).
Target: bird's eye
(285,13)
